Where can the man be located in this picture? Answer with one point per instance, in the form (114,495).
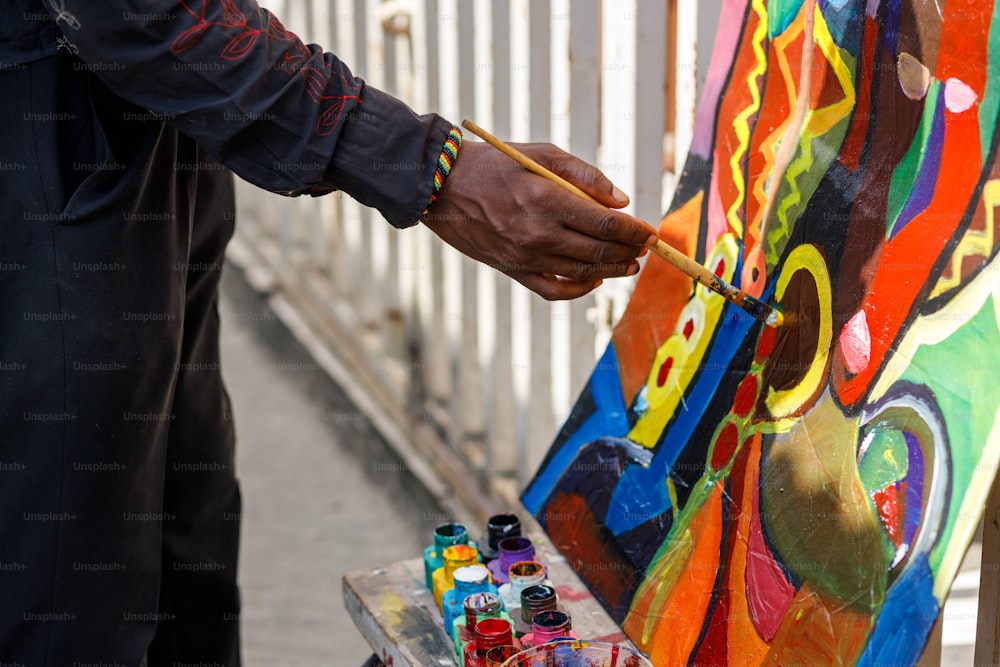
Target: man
(115,210)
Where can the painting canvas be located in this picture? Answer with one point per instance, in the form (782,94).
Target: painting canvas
(743,495)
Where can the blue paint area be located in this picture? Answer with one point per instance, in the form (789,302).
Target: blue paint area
(891,39)
(780,14)
(905,620)
(609,418)
(914,496)
(927,175)
(846,20)
(648,487)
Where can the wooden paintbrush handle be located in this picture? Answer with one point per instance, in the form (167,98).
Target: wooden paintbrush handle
(675,257)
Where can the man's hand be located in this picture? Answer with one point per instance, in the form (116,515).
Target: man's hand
(551,241)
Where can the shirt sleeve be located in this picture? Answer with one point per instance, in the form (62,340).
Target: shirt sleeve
(281,114)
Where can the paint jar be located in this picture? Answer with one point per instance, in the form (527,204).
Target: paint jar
(534,599)
(547,626)
(512,550)
(489,632)
(455,556)
(445,535)
(468,580)
(477,606)
(521,575)
(498,655)
(576,653)
(498,527)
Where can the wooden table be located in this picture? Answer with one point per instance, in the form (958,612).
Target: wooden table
(396,613)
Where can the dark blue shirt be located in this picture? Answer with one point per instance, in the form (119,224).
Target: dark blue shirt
(281,114)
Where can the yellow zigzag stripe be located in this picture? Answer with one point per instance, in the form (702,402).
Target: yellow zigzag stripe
(769,147)
(742,122)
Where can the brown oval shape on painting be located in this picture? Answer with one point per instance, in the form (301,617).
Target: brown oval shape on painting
(795,348)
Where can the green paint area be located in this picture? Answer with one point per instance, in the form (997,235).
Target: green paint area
(780,14)
(905,173)
(885,462)
(811,163)
(961,370)
(818,515)
(989,107)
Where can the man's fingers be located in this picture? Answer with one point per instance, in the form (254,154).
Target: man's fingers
(589,271)
(583,175)
(607,224)
(554,288)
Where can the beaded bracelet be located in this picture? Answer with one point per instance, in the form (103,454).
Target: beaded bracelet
(445,162)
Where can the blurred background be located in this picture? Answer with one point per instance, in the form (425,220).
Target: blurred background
(382,383)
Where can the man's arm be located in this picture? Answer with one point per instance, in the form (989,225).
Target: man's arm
(282,115)
(293,119)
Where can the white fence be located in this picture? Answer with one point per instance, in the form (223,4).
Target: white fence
(492,368)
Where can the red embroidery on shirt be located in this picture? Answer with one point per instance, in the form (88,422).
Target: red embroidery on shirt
(294,62)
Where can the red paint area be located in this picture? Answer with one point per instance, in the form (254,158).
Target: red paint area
(579,537)
(661,377)
(887,505)
(909,258)
(720,268)
(714,647)
(725,446)
(737,99)
(570,594)
(688,329)
(746,395)
(775,108)
(769,594)
(850,154)
(766,343)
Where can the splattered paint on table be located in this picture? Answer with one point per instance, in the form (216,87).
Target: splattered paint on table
(740,495)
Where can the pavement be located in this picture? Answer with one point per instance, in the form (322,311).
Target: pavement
(322,496)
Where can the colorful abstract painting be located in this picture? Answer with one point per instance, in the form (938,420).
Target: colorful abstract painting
(740,495)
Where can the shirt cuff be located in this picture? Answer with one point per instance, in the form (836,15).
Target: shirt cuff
(387,156)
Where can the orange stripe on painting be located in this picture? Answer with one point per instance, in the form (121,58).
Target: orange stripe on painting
(667,614)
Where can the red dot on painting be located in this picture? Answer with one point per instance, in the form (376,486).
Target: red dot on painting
(766,343)
(725,445)
(661,377)
(688,329)
(720,268)
(746,395)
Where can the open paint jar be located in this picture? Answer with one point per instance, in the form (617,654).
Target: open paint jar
(578,654)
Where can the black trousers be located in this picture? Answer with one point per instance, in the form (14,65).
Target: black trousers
(119,506)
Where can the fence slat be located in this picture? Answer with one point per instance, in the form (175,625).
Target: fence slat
(650,106)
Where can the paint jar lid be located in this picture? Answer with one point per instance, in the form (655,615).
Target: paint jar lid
(550,624)
(492,632)
(498,655)
(481,605)
(500,526)
(471,576)
(516,544)
(526,573)
(459,555)
(450,533)
(512,550)
(535,599)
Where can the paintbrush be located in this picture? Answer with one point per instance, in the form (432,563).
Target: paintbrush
(760,310)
